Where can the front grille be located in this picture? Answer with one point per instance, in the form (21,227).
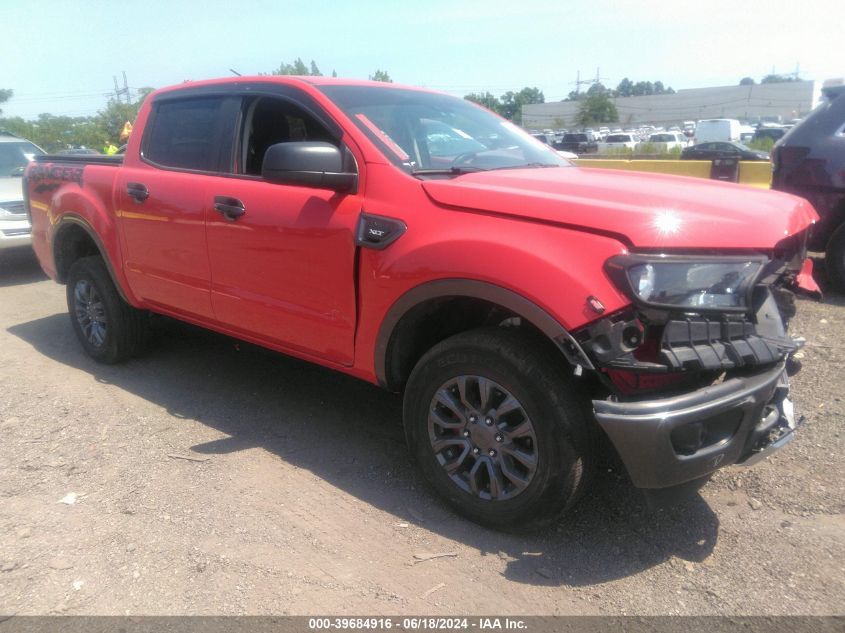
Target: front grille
(701,344)
(15,207)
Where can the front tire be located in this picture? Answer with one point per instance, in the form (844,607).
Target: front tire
(109,329)
(498,428)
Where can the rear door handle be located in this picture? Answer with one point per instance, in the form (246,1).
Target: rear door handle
(229,208)
(137,191)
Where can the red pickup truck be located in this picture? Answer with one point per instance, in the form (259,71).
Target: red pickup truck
(524,305)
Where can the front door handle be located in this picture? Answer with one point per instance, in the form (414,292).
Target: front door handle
(137,191)
(229,208)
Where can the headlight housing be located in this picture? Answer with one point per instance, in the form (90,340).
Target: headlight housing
(689,283)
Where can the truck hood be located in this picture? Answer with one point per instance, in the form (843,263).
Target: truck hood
(10,189)
(642,210)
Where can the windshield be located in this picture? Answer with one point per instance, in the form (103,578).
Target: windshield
(421,131)
(15,155)
(619,138)
(662,138)
(574,138)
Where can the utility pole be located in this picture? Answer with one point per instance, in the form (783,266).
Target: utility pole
(578,83)
(598,78)
(586,82)
(118,92)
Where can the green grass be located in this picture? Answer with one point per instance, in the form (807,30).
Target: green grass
(764,144)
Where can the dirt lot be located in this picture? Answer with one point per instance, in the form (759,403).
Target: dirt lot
(306,503)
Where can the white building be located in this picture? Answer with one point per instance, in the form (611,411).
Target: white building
(768,102)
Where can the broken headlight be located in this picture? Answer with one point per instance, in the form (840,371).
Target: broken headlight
(688,283)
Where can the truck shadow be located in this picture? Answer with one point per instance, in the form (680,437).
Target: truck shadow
(262,399)
(19,266)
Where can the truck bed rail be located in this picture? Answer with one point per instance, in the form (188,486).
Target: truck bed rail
(87,159)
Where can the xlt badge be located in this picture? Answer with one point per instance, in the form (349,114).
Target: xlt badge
(378,232)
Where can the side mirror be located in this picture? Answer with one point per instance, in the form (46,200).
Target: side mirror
(307,164)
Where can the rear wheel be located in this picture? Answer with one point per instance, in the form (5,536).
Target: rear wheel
(497,428)
(835,258)
(109,329)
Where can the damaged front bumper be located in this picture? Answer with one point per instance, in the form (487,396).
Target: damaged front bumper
(669,441)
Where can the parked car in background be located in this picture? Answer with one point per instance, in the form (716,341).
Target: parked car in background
(809,161)
(746,134)
(543,137)
(15,154)
(617,143)
(78,151)
(664,142)
(577,143)
(549,139)
(727,130)
(710,151)
(774,133)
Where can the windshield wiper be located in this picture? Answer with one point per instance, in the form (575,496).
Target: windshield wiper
(527,166)
(448,171)
(468,169)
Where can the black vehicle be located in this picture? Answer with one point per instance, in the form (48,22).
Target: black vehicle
(721,149)
(578,143)
(774,133)
(810,162)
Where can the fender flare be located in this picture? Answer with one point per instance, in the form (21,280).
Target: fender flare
(73,219)
(492,293)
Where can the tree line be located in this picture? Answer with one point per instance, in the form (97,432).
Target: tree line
(770,79)
(298,67)
(55,132)
(509,105)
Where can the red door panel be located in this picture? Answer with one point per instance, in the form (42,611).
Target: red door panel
(284,270)
(166,254)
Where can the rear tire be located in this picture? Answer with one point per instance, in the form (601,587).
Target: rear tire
(109,329)
(498,428)
(835,258)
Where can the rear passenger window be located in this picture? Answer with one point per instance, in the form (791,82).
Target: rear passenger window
(183,134)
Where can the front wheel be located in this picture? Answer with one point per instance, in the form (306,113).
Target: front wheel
(109,329)
(497,428)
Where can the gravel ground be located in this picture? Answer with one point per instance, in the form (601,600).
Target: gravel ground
(299,497)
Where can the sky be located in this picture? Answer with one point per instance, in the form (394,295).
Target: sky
(61,56)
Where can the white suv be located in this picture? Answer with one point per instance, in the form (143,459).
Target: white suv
(15,153)
(618,143)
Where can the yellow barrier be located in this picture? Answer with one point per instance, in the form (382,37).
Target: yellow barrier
(751,173)
(755,173)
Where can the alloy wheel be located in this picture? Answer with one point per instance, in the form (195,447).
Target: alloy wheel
(90,312)
(482,437)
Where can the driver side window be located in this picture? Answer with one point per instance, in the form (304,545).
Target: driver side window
(267,121)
